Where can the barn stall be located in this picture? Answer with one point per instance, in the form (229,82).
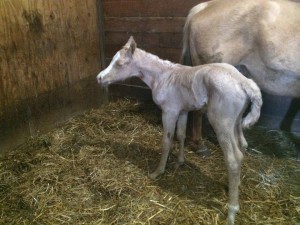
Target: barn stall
(70,156)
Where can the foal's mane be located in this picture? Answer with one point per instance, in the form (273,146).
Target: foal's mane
(157,59)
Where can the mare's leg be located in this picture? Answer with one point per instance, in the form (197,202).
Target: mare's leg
(197,133)
(286,123)
(191,58)
(169,121)
(181,132)
(224,124)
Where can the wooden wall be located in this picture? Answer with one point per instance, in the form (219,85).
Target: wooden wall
(156,26)
(49,58)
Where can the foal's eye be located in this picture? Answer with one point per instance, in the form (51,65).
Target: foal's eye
(121,62)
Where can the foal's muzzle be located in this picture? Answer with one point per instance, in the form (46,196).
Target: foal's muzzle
(99,79)
(102,81)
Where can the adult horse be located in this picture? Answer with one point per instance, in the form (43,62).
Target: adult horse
(261,35)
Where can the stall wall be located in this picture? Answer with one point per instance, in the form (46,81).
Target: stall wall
(49,57)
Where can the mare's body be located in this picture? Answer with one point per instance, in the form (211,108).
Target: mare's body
(263,36)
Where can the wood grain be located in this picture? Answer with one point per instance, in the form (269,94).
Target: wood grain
(146,8)
(45,46)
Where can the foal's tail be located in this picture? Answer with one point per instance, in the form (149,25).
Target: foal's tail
(254,94)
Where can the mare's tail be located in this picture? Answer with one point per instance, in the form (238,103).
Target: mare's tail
(254,94)
(185,58)
(186,54)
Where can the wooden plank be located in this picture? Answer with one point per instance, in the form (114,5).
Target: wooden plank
(144,24)
(170,54)
(100,23)
(163,40)
(146,8)
(129,91)
(45,111)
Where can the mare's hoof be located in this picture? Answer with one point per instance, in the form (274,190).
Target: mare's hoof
(244,147)
(298,155)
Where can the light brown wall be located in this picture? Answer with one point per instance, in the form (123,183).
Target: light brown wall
(49,57)
(156,25)
(45,45)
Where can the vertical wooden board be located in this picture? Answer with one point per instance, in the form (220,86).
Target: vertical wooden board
(146,8)
(45,45)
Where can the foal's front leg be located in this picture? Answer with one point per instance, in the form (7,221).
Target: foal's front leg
(181,133)
(169,122)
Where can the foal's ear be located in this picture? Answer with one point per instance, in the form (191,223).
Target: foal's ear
(131,45)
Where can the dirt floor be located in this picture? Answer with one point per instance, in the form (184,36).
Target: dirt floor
(94,170)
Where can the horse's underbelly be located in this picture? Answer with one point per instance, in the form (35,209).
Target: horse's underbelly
(275,78)
(282,82)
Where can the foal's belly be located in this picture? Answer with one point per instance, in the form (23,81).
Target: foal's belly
(196,103)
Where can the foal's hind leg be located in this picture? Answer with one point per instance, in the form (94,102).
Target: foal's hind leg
(233,159)
(240,136)
(224,124)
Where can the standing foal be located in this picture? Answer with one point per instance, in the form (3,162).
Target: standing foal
(178,89)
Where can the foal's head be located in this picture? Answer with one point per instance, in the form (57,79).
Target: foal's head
(121,66)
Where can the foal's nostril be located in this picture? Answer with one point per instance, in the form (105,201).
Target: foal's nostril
(99,79)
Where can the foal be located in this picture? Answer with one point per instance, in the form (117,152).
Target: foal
(177,89)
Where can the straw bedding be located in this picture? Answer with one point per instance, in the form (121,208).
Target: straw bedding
(94,170)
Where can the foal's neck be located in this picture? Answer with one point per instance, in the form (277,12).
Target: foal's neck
(152,68)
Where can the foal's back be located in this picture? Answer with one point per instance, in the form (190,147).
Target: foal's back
(195,87)
(221,80)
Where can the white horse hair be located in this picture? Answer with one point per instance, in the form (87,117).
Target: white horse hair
(219,88)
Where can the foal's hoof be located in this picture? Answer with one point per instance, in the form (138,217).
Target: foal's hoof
(178,164)
(204,151)
(232,211)
(152,176)
(155,174)
(244,147)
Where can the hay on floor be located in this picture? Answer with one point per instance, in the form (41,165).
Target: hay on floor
(94,170)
